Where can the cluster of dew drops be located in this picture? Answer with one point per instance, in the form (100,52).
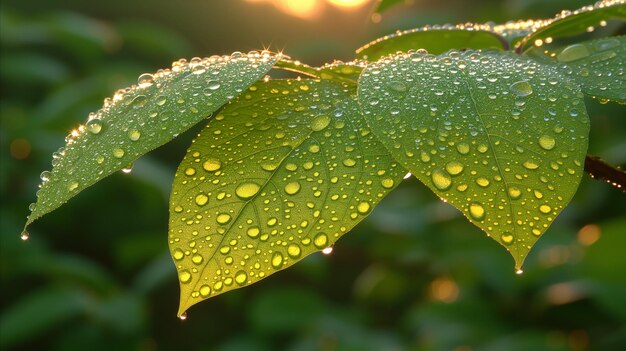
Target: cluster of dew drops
(136,97)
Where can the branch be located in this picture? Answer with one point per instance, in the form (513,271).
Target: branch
(598,169)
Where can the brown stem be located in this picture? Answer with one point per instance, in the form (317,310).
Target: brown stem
(598,169)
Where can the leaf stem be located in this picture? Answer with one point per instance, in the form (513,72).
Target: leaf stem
(598,169)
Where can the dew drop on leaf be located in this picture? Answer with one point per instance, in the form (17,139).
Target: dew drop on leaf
(94,126)
(547,142)
(247,190)
(441,180)
(573,53)
(521,88)
(212,165)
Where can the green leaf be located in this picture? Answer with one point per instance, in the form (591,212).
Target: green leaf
(434,39)
(140,118)
(346,72)
(500,137)
(597,65)
(569,23)
(281,172)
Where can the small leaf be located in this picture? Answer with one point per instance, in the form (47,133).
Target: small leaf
(597,65)
(501,138)
(140,118)
(434,39)
(346,72)
(281,172)
(569,23)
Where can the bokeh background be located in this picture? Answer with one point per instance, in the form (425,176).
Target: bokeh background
(96,274)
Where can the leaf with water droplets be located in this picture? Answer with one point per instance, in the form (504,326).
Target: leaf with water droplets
(281,172)
(434,39)
(500,137)
(143,117)
(597,65)
(570,23)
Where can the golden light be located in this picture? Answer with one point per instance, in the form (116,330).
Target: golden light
(444,289)
(310,9)
(347,3)
(589,234)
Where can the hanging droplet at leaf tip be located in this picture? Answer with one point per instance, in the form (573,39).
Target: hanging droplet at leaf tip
(519,271)
(328,250)
(25,235)
(183,316)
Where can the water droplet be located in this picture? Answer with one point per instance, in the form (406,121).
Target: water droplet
(294,251)
(545,209)
(506,238)
(139,101)
(320,122)
(197,259)
(348,162)
(327,251)
(514,193)
(519,272)
(118,153)
(134,135)
(205,290)
(128,168)
(161,100)
(397,86)
(183,316)
(572,53)
(178,254)
(73,185)
(477,211)
(463,148)
(483,182)
(277,260)
(145,80)
(531,165)
(241,277)
(212,165)
(363,207)
(247,190)
(201,199)
(320,240)
(223,218)
(253,232)
(213,85)
(454,168)
(25,235)
(441,180)
(292,188)
(190,171)
(94,126)
(521,88)
(547,142)
(387,183)
(45,176)
(184,276)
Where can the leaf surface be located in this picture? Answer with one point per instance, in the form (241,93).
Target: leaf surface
(140,118)
(569,23)
(597,65)
(501,138)
(281,172)
(434,39)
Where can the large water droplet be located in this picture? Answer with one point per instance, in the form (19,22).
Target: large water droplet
(241,277)
(213,85)
(320,240)
(521,88)
(320,122)
(292,188)
(25,235)
(363,207)
(212,165)
(454,167)
(247,190)
(223,218)
(201,199)
(477,211)
(94,126)
(118,153)
(277,260)
(572,53)
(294,251)
(441,180)
(184,276)
(134,135)
(547,142)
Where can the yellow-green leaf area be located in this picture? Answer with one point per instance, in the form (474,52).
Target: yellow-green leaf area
(142,117)
(500,137)
(298,168)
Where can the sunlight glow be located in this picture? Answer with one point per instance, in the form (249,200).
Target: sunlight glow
(311,9)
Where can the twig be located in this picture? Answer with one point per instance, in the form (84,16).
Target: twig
(598,169)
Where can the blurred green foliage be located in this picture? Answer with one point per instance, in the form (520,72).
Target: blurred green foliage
(414,276)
